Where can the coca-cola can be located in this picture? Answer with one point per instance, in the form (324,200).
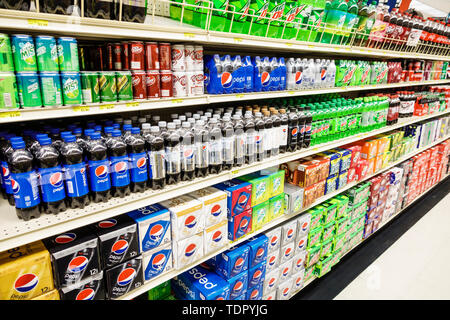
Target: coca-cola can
(178,58)
(199,82)
(151,56)
(137,56)
(165,56)
(153,84)
(198,58)
(189,52)
(117,56)
(139,85)
(180,85)
(125,55)
(109,57)
(166,83)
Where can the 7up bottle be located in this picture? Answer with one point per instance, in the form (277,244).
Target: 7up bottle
(240,18)
(276,10)
(71,87)
(259,23)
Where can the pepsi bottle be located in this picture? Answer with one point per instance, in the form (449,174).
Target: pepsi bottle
(250,138)
(239,141)
(50,178)
(201,137)
(301,116)
(98,163)
(173,154)
(215,152)
(24,181)
(56,138)
(228,143)
(156,156)
(292,131)
(5,153)
(284,130)
(187,152)
(75,176)
(259,137)
(118,158)
(308,122)
(137,159)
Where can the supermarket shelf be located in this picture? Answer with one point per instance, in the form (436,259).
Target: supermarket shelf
(15,232)
(158,28)
(21,115)
(384,223)
(271,224)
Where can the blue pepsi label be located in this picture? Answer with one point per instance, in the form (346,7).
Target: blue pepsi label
(157,263)
(25,189)
(99,175)
(76,179)
(155,234)
(6,178)
(138,166)
(52,184)
(120,175)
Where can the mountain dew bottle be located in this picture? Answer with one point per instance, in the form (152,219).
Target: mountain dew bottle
(313,13)
(351,20)
(276,10)
(335,14)
(240,21)
(259,23)
(292,19)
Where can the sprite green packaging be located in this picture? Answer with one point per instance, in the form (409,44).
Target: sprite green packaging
(9,97)
(259,23)
(6,59)
(239,18)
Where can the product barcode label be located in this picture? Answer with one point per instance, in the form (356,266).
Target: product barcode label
(135,65)
(69,185)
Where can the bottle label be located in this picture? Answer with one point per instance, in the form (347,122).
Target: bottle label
(6,178)
(250,145)
(120,175)
(25,189)
(138,166)
(157,166)
(259,139)
(284,135)
(173,159)
(240,145)
(188,157)
(99,175)
(51,181)
(76,179)
(202,155)
(228,149)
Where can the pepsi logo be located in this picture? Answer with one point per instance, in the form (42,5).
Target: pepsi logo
(86,294)
(258,138)
(301,244)
(216,210)
(26,282)
(298,281)
(299,263)
(257,275)
(5,171)
(269,297)
(259,253)
(273,241)
(226,79)
(65,238)
(272,260)
(287,252)
(105,224)
(238,286)
(285,292)
(244,224)
(77,264)
(190,250)
(101,171)
(156,232)
(265,78)
(220,298)
(217,236)
(15,186)
(271,282)
(305,226)
(188,153)
(56,179)
(294,132)
(126,276)
(239,264)
(121,167)
(254,294)
(141,163)
(119,247)
(323,74)
(285,272)
(298,77)
(242,200)
(158,261)
(290,233)
(190,222)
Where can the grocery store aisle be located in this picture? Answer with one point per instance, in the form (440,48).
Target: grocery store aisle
(408,259)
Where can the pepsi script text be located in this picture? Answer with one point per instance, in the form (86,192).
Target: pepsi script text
(230,309)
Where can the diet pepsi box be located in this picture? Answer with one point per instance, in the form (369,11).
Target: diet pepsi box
(258,250)
(288,232)
(187,251)
(273,260)
(285,270)
(239,194)
(157,261)
(123,278)
(299,262)
(271,280)
(214,204)
(287,252)
(303,223)
(270,296)
(118,240)
(92,288)
(274,236)
(256,275)
(255,293)
(284,289)
(240,225)
(200,284)
(300,243)
(153,226)
(75,256)
(215,237)
(232,261)
(238,285)
(297,281)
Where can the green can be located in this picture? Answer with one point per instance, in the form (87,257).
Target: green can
(51,89)
(124,85)
(68,54)
(46,53)
(108,87)
(29,89)
(8,91)
(6,59)
(71,87)
(90,87)
(23,52)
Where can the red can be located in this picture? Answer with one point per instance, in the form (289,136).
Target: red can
(151,56)
(165,56)
(99,61)
(166,79)
(125,55)
(117,56)
(109,57)
(137,56)
(153,84)
(139,85)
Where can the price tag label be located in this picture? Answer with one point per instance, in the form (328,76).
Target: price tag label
(234,173)
(315,149)
(177,100)
(240,95)
(189,35)
(311,46)
(106,107)
(38,22)
(291,92)
(80,108)
(289,44)
(133,104)
(237,39)
(10,114)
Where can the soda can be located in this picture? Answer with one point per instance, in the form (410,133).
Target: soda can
(123,278)
(71,88)
(109,57)
(125,55)
(284,289)
(151,56)
(273,260)
(93,288)
(165,56)
(9,97)
(271,280)
(6,58)
(23,52)
(68,54)
(232,261)
(139,85)
(166,78)
(137,56)
(153,84)
(47,53)
(29,89)
(215,237)
(178,58)
(90,87)
(108,86)
(117,56)
(179,81)
(124,85)
(255,293)
(157,261)
(51,89)
(198,58)
(191,83)
(189,57)
(188,250)
(199,83)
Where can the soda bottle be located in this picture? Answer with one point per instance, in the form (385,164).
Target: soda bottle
(250,139)
(216,146)
(137,160)
(24,181)
(282,73)
(364,24)
(292,131)
(308,126)
(276,132)
(290,74)
(269,139)
(259,22)
(284,122)
(5,152)
(228,141)
(98,163)
(51,179)
(173,154)
(301,125)
(119,170)
(201,138)
(188,150)
(75,176)
(335,14)
(259,137)
(156,156)
(239,141)
(274,82)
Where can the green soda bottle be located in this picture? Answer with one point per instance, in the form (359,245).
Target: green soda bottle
(314,14)
(335,14)
(292,19)
(366,13)
(218,19)
(259,23)
(276,10)
(240,20)
(351,20)
(313,125)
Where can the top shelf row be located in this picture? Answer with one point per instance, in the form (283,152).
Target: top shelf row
(286,27)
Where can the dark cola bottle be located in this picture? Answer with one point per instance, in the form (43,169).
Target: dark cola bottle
(101,9)
(66,7)
(137,157)
(118,158)
(188,155)
(156,156)
(5,152)
(98,163)
(202,147)
(134,11)
(173,154)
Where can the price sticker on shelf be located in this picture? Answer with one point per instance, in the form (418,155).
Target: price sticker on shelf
(10,114)
(133,104)
(291,92)
(234,173)
(311,46)
(38,22)
(238,40)
(106,107)
(80,108)
(289,44)
(240,95)
(177,100)
(189,35)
